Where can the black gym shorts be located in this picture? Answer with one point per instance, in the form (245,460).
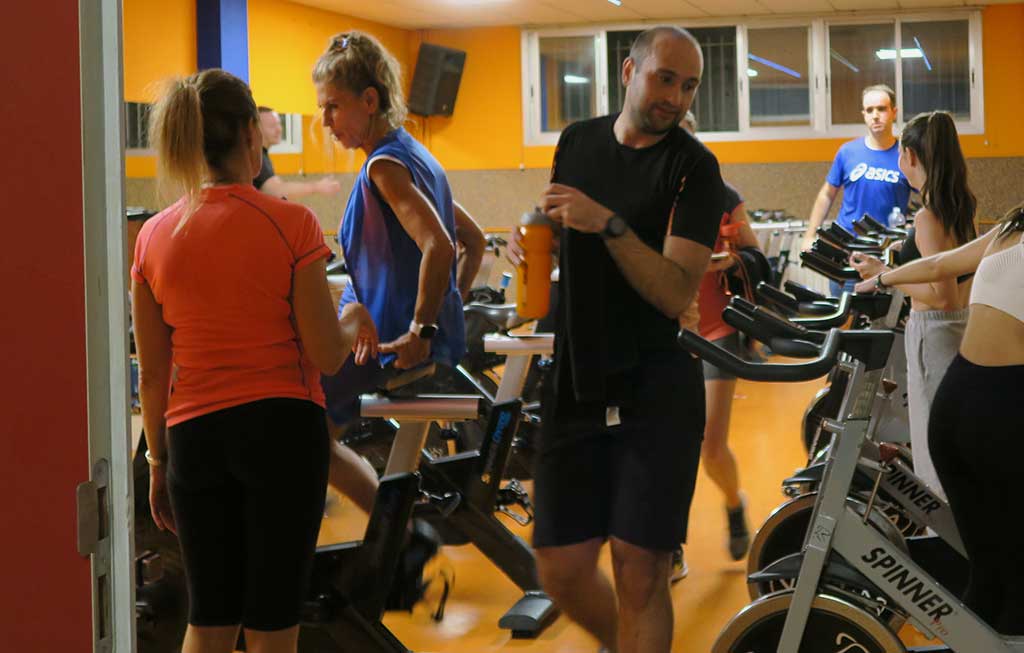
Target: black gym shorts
(247,487)
(633,481)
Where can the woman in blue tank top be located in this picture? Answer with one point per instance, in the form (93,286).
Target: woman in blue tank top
(399,235)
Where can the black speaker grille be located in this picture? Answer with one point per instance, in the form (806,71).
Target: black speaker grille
(435,84)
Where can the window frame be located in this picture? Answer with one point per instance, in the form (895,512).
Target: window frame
(128,149)
(819,75)
(293,143)
(531,78)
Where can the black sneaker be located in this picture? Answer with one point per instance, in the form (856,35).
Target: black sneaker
(739,534)
(679,567)
(409,585)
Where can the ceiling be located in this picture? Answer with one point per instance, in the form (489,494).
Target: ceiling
(423,14)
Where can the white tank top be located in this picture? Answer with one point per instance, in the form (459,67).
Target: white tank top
(999,282)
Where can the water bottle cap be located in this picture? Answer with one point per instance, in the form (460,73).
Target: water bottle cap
(506,279)
(536,216)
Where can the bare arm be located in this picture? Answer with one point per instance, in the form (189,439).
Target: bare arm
(944,265)
(419,219)
(822,204)
(279,187)
(153,344)
(421,222)
(325,338)
(940,293)
(668,280)
(747,237)
(471,238)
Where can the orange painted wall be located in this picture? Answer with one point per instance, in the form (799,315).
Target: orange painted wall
(285,40)
(159,41)
(1003,50)
(486,130)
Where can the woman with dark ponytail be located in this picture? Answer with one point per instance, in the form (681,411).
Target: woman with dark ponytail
(931,159)
(976,421)
(230,355)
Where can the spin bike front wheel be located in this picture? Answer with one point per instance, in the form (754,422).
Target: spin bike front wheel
(833,626)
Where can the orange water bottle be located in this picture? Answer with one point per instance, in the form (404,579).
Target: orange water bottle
(533,287)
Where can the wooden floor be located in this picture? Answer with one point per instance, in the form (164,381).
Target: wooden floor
(765,439)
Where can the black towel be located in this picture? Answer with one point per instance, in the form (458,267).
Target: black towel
(597,346)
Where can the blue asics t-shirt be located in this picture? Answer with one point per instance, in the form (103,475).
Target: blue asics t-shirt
(871,181)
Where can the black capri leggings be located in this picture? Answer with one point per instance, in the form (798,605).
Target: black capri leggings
(247,488)
(976,438)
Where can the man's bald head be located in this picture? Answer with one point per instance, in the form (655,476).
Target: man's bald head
(644,43)
(661,76)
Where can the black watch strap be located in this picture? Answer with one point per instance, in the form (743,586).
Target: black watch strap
(615,227)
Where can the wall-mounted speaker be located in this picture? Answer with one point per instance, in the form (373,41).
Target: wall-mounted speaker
(435,84)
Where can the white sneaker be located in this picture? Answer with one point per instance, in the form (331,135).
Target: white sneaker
(679,567)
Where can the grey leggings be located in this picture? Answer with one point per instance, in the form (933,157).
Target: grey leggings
(932,341)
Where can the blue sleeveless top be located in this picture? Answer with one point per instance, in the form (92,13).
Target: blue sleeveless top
(384,261)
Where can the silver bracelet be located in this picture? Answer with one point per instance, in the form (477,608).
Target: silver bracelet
(154,462)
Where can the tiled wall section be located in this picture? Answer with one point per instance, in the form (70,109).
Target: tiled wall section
(497,198)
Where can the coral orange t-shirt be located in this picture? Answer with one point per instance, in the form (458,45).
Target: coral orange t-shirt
(224,282)
(712,298)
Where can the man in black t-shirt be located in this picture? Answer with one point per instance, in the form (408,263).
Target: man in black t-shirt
(640,202)
(268,181)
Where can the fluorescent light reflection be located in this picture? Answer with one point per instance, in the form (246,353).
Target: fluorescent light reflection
(617,3)
(575,79)
(906,53)
(772,64)
(927,63)
(843,60)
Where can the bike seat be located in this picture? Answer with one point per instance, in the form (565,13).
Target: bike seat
(502,316)
(407,377)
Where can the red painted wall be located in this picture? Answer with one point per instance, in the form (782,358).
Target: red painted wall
(45,593)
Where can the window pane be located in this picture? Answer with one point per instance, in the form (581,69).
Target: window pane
(777,68)
(567,88)
(858,59)
(936,68)
(717,104)
(136,125)
(618,49)
(285,125)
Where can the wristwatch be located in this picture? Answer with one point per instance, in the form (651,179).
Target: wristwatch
(615,227)
(879,285)
(425,331)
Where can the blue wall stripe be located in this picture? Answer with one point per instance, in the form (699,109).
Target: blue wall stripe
(222,36)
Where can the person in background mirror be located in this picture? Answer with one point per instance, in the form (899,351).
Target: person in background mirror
(268,181)
(867,169)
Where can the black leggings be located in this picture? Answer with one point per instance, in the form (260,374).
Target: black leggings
(976,437)
(247,489)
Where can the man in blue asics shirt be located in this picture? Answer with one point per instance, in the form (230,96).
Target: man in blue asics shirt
(867,169)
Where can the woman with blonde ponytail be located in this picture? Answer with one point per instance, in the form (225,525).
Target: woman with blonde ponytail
(931,159)
(230,355)
(399,235)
